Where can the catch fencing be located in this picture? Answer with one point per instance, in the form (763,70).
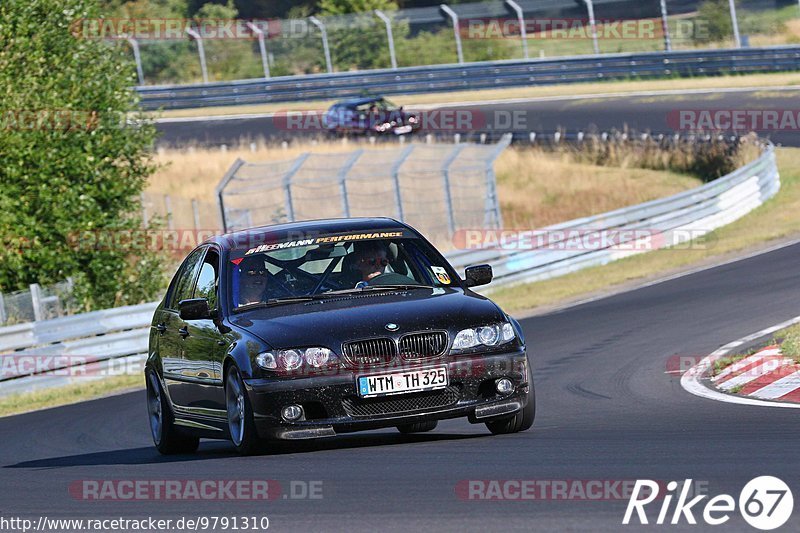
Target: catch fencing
(436,188)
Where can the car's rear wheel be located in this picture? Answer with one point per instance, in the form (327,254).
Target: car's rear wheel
(241,427)
(166,437)
(521,421)
(418,427)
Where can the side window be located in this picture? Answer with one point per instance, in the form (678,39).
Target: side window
(184,279)
(207,281)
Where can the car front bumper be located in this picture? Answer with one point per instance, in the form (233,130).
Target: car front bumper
(331,403)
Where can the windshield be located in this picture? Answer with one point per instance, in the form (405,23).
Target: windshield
(321,266)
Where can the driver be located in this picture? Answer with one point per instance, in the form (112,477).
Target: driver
(252,280)
(370,260)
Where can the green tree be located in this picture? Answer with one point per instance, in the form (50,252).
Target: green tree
(357,37)
(72,159)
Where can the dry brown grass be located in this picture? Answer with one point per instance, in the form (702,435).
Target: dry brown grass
(539,188)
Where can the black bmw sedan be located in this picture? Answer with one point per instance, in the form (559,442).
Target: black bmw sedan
(310,329)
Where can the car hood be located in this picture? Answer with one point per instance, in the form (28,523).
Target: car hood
(335,320)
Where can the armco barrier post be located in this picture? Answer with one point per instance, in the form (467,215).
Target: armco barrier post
(3,316)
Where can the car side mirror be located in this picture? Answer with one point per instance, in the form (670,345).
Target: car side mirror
(478,275)
(194,309)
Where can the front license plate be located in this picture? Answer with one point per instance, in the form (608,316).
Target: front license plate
(400,130)
(402,382)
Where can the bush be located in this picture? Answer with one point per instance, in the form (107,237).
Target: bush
(716,15)
(72,160)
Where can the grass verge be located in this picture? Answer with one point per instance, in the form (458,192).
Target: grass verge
(776,219)
(576,89)
(78,392)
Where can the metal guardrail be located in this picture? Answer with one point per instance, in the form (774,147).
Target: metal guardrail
(664,222)
(120,334)
(484,75)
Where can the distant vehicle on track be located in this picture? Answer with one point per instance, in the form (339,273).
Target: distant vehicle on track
(369,116)
(310,329)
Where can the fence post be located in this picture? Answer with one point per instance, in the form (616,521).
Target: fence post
(343,180)
(522,31)
(325,47)
(221,189)
(492,208)
(142,200)
(168,207)
(735,23)
(287,184)
(261,46)
(448,197)
(36,301)
(201,51)
(456,30)
(398,197)
(389,36)
(593,25)
(196,213)
(3,315)
(137,58)
(665,26)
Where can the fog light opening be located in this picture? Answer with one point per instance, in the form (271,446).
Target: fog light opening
(503,386)
(292,413)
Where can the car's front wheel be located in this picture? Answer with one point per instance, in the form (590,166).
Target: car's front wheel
(166,437)
(241,427)
(521,421)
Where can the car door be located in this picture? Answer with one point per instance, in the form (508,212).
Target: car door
(205,344)
(172,342)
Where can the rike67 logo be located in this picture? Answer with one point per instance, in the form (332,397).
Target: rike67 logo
(765,503)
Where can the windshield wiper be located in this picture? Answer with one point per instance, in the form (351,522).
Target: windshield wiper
(276,301)
(372,288)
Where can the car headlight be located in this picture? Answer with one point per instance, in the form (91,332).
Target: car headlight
(287,360)
(490,335)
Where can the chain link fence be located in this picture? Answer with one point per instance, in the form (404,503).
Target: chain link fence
(458,33)
(436,188)
(37,303)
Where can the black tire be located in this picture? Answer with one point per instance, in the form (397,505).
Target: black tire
(241,427)
(523,420)
(418,427)
(166,437)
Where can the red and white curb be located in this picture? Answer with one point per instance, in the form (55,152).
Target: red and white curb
(766,375)
(765,378)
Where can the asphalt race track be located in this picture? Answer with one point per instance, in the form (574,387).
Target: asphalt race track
(656,114)
(606,411)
